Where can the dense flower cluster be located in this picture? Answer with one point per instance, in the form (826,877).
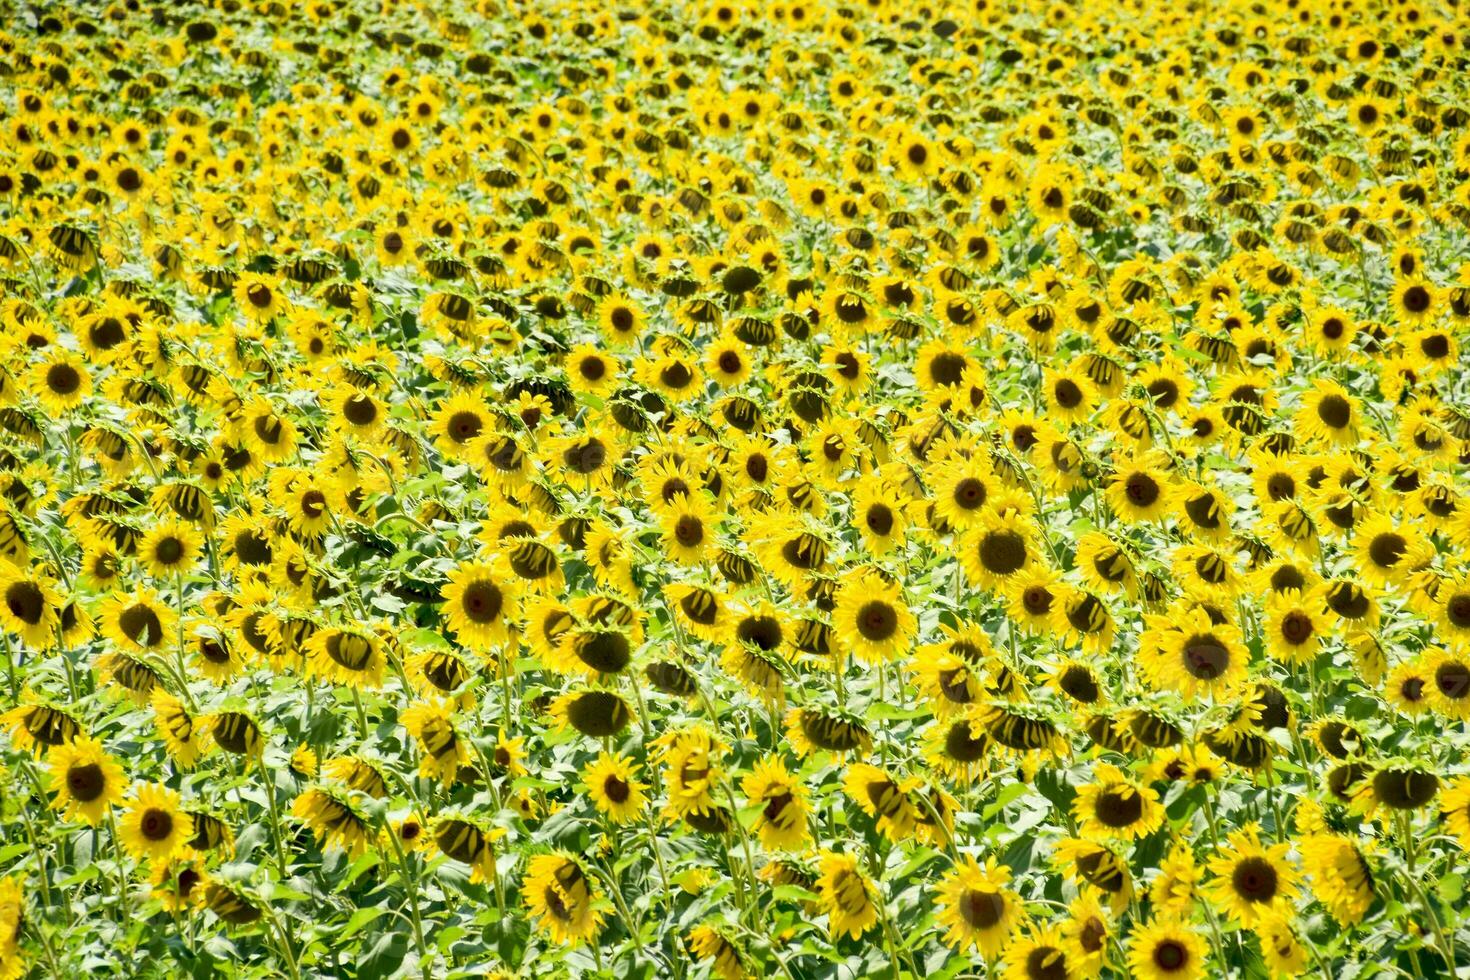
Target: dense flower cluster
(814,488)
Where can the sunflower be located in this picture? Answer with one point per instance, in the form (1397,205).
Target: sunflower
(1140,490)
(1450,682)
(481,600)
(689,524)
(1294,627)
(442,673)
(357,411)
(1105,564)
(1039,954)
(179,884)
(352,657)
(977,909)
(460,419)
(444,751)
(31,606)
(139,622)
(303,763)
(1097,866)
(561,896)
(727,362)
(1341,877)
(880,516)
(61,382)
(1087,933)
(266,433)
(962,486)
(871,620)
(847,367)
(620,319)
(847,896)
(237,733)
(1167,948)
(171,548)
(1077,680)
(87,781)
(885,798)
(1408,688)
(1386,553)
(998,549)
(611,781)
(1114,806)
(1082,618)
(464,840)
(1354,606)
(711,942)
(154,827)
(1021,730)
(1188,653)
(259,297)
(940,364)
(500,460)
(590,371)
(12,915)
(1070,395)
(1063,462)
(183,736)
(1250,879)
(1176,887)
(782,801)
(308,499)
(1329,415)
(37,727)
(584,458)
(1414,300)
(594,713)
(792,550)
(335,820)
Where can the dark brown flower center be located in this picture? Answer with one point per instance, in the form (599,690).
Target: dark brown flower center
(1254,880)
(1335,411)
(26,602)
(1416,299)
(141,625)
(156,825)
(1205,657)
(482,601)
(1141,489)
(1170,955)
(85,783)
(616,789)
(877,621)
(969,493)
(1453,680)
(1296,627)
(63,379)
(982,909)
(1046,963)
(1118,807)
(1002,552)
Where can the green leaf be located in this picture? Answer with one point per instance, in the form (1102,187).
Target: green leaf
(384,959)
(358,921)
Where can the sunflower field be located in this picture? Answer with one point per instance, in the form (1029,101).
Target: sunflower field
(734,488)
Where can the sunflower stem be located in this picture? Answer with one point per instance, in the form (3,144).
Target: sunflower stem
(124,910)
(410,878)
(288,951)
(615,891)
(663,873)
(183,664)
(361,714)
(277,839)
